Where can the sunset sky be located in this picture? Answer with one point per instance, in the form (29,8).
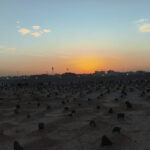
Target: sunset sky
(82,35)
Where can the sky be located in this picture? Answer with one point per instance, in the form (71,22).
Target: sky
(81,35)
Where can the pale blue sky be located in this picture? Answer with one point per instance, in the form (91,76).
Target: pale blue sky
(105,28)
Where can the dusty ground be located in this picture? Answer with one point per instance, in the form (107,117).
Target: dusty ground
(74,132)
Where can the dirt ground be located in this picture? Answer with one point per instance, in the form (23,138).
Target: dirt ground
(67,115)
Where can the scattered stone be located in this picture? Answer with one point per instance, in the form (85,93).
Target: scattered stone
(73,111)
(63,102)
(128,104)
(41,126)
(116,129)
(17,146)
(92,123)
(17,106)
(38,104)
(48,107)
(105,141)
(28,116)
(98,107)
(120,115)
(1,132)
(116,99)
(70,115)
(16,111)
(66,108)
(110,111)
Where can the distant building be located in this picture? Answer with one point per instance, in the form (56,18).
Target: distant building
(99,73)
(113,73)
(140,72)
(68,75)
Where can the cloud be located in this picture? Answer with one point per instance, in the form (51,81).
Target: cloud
(7,48)
(17,26)
(17,21)
(143,25)
(35,34)
(36,55)
(145,28)
(36,27)
(11,49)
(1,46)
(32,31)
(24,31)
(47,30)
(142,20)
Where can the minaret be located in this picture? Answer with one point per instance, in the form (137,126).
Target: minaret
(52,70)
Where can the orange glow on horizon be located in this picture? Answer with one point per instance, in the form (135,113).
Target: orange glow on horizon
(87,64)
(76,63)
